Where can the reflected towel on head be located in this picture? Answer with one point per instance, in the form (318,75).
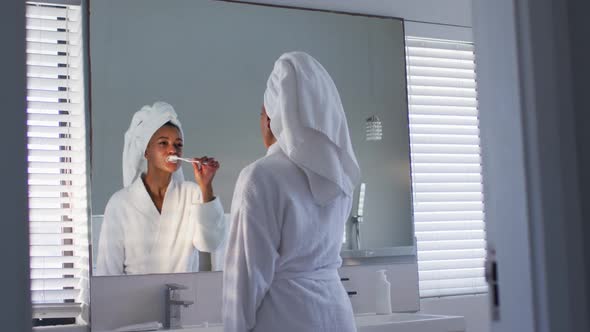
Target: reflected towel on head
(308,121)
(144,124)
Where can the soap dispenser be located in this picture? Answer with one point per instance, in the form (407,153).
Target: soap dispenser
(382,294)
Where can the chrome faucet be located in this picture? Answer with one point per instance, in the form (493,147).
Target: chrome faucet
(173,303)
(356,232)
(357,220)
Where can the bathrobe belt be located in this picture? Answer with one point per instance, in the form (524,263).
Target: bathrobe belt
(322,274)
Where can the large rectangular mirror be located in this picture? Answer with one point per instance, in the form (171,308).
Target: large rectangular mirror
(211,59)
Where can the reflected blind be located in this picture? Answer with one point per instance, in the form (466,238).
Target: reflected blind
(58,214)
(446,167)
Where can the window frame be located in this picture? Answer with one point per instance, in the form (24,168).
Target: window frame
(436,32)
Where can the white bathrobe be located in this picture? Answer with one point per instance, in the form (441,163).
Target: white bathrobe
(137,239)
(283,253)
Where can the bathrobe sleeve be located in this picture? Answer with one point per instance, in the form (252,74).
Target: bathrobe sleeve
(252,251)
(210,225)
(111,248)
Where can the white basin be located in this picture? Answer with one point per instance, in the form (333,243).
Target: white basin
(395,322)
(200,328)
(409,322)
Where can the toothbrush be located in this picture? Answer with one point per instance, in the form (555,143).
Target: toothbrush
(175,159)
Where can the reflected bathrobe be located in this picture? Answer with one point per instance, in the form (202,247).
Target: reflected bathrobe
(136,239)
(283,253)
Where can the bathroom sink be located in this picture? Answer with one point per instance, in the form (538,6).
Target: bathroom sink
(200,328)
(409,322)
(398,322)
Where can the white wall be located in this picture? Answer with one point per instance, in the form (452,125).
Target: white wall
(450,12)
(15,310)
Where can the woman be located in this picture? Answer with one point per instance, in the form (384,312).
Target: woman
(158,221)
(289,210)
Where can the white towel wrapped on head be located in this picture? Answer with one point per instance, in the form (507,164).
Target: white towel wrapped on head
(308,121)
(144,124)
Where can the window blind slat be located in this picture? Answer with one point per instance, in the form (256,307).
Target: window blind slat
(38,71)
(447,197)
(447,216)
(53,262)
(41,202)
(443,139)
(55,132)
(54,296)
(432,91)
(445,148)
(448,187)
(55,143)
(53,273)
(446,158)
(53,238)
(450,245)
(48,95)
(68,118)
(441,100)
(75,221)
(447,264)
(53,12)
(39,214)
(452,283)
(441,129)
(46,226)
(442,110)
(441,246)
(65,61)
(444,120)
(446,206)
(52,84)
(41,48)
(38,178)
(58,166)
(447,178)
(440,53)
(422,61)
(52,227)
(445,82)
(452,274)
(449,226)
(446,167)
(450,254)
(51,24)
(74,205)
(36,23)
(72,108)
(42,36)
(453,291)
(54,284)
(440,72)
(46,36)
(438,45)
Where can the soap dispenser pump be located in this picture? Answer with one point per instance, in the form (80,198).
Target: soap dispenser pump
(382,294)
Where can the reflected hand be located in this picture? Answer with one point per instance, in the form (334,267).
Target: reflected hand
(204,173)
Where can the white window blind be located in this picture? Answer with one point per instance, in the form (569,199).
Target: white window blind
(446,167)
(58,213)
